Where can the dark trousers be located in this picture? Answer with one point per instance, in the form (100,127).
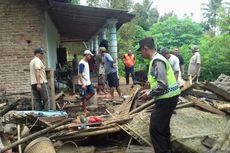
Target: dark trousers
(160,124)
(41,98)
(129,70)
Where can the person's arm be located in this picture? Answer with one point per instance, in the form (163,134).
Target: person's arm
(37,67)
(81,77)
(37,76)
(198,62)
(123,59)
(182,69)
(109,58)
(160,75)
(176,67)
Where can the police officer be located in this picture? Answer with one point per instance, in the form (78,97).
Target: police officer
(165,90)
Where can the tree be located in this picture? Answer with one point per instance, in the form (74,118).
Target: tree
(94,3)
(211,13)
(167,15)
(76,2)
(223,20)
(121,4)
(128,36)
(215,55)
(145,14)
(175,33)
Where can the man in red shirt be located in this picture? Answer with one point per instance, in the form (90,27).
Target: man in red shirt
(129,61)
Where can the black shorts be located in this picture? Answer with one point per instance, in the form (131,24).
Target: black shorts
(113,79)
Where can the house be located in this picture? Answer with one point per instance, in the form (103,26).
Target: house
(28,24)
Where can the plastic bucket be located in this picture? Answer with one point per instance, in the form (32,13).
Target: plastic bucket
(40,145)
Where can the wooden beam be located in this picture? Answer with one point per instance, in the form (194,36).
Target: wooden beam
(200,93)
(215,89)
(204,106)
(32,136)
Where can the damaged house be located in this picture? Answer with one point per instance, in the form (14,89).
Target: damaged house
(29,24)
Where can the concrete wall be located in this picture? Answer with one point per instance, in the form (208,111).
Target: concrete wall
(21,30)
(53,40)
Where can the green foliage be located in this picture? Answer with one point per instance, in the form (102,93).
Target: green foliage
(211,12)
(115,4)
(223,21)
(94,3)
(76,2)
(215,55)
(128,36)
(145,14)
(175,33)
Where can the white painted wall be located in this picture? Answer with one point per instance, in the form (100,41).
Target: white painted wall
(52,39)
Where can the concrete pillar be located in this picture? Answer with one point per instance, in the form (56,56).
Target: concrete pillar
(88,45)
(112,37)
(91,45)
(103,33)
(96,46)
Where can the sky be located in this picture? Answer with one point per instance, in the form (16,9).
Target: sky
(180,7)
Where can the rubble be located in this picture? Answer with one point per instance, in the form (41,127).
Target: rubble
(199,124)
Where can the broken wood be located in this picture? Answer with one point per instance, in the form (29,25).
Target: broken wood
(188,104)
(143,106)
(10,107)
(215,89)
(58,95)
(199,93)
(222,106)
(222,139)
(32,136)
(132,132)
(204,106)
(88,133)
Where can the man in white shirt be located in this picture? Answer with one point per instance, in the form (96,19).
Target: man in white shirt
(194,64)
(39,82)
(86,87)
(174,62)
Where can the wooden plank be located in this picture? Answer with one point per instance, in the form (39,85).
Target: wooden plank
(58,95)
(200,93)
(34,135)
(221,92)
(52,88)
(204,106)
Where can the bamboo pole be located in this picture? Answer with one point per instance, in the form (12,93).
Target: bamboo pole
(90,133)
(32,136)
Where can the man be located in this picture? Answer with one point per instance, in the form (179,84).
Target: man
(194,64)
(101,72)
(86,87)
(111,73)
(177,53)
(129,61)
(173,61)
(165,90)
(39,82)
(74,71)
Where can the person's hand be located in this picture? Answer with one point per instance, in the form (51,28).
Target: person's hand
(39,87)
(144,95)
(84,87)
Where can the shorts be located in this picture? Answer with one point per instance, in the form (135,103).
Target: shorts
(84,92)
(113,80)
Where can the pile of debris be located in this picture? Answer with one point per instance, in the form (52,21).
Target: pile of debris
(199,124)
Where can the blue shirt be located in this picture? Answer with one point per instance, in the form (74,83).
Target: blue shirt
(108,60)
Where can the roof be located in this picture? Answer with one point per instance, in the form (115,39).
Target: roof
(81,23)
